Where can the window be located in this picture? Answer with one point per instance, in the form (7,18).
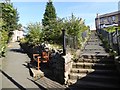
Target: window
(109,20)
(113,18)
(102,20)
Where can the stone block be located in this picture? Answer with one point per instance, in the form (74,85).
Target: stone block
(37,74)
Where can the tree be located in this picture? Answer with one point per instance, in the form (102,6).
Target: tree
(10,17)
(8,23)
(34,36)
(3,38)
(49,20)
(49,15)
(75,27)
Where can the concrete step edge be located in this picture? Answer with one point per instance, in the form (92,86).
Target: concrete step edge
(95,76)
(93,84)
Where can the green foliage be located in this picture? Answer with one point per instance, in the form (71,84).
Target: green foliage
(49,15)
(34,36)
(75,27)
(10,17)
(52,26)
(3,39)
(49,21)
(56,32)
(112,29)
(8,23)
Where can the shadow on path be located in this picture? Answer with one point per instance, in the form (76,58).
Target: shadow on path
(12,80)
(41,88)
(17,50)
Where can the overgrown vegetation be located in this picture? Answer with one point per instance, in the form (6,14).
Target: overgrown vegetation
(51,29)
(111,29)
(34,36)
(75,27)
(8,23)
(3,39)
(111,49)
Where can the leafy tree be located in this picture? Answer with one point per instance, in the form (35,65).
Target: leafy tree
(75,27)
(3,38)
(34,36)
(10,17)
(8,23)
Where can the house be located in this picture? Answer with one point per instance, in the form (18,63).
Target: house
(108,19)
(17,35)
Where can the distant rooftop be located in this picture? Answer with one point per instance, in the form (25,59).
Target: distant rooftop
(109,14)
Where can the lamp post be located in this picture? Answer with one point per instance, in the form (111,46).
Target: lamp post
(64,42)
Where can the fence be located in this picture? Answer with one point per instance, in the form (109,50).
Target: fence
(112,38)
(72,43)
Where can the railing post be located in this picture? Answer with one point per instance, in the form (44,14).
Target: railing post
(111,40)
(117,40)
(64,42)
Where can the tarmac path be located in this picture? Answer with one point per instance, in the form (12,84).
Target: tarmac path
(15,73)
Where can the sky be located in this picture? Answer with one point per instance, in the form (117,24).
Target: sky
(32,11)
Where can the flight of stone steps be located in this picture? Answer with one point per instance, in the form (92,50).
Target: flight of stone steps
(94,69)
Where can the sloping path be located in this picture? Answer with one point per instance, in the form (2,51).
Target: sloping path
(15,73)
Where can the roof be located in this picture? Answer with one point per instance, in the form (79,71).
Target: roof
(109,14)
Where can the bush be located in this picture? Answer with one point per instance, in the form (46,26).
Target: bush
(34,36)
(3,39)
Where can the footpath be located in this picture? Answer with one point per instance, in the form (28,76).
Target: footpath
(15,72)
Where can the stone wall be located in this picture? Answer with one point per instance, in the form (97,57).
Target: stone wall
(0,72)
(67,65)
(57,65)
(61,66)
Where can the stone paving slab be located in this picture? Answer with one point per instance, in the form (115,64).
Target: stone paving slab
(95,54)
(94,51)
(49,84)
(93,47)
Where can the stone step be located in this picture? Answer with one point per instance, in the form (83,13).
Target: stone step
(94,77)
(95,71)
(88,84)
(94,43)
(94,47)
(107,60)
(88,55)
(94,51)
(94,40)
(94,66)
(94,37)
(100,44)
